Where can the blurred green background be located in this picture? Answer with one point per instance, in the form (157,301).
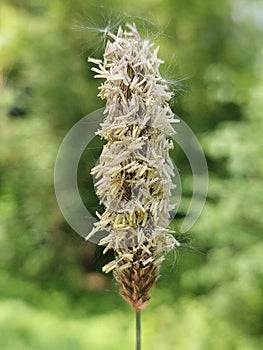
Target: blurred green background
(52,292)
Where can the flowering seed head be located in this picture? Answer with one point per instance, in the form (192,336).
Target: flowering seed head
(133,175)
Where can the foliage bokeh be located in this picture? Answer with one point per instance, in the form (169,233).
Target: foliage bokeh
(52,292)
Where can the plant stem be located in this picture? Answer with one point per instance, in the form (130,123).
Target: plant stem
(138,330)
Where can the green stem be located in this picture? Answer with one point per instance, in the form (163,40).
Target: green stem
(138,330)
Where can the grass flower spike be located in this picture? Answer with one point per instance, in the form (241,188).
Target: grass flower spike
(134,172)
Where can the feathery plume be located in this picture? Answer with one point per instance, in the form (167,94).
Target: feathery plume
(134,172)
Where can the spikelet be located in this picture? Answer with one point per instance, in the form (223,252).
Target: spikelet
(133,175)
